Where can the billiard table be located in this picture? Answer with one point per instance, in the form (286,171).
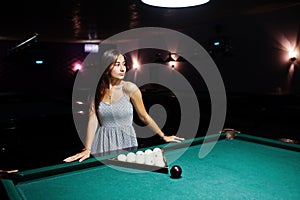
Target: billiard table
(243,167)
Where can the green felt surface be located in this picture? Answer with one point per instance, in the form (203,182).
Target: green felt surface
(234,169)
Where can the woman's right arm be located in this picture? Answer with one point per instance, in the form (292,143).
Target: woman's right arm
(90,133)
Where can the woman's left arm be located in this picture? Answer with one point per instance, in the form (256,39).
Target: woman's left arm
(137,101)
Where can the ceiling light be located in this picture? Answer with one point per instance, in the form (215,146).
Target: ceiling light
(292,55)
(174,3)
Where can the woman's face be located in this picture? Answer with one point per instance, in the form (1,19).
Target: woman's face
(119,68)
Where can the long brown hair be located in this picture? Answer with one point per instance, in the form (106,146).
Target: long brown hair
(108,58)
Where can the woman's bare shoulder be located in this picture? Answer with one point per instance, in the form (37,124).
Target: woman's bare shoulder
(129,87)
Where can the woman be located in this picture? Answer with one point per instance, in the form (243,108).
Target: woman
(111,113)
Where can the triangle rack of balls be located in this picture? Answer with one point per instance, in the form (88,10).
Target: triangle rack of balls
(149,160)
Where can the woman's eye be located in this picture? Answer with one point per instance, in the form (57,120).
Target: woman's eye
(119,64)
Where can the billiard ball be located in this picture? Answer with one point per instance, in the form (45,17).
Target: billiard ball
(175,171)
(230,135)
(122,157)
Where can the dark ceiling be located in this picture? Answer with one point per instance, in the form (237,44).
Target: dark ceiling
(78,20)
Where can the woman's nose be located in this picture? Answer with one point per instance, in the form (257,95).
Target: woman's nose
(123,68)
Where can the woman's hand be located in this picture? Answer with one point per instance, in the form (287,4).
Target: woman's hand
(81,156)
(172,138)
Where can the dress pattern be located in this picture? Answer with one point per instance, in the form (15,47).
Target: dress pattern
(116,131)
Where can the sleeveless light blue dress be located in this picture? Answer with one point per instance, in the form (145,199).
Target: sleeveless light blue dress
(116,131)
